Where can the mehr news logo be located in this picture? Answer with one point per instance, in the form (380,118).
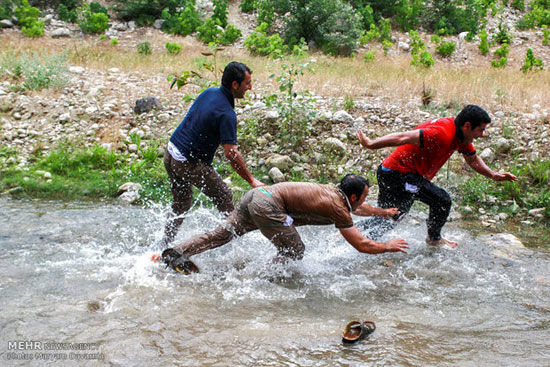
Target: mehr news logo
(31,349)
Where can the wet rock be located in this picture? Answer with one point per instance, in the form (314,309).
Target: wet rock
(505,245)
(146,104)
(276,175)
(129,186)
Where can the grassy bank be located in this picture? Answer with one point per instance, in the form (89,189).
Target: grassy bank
(72,172)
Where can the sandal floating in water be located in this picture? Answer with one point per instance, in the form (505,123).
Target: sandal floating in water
(178,262)
(356,331)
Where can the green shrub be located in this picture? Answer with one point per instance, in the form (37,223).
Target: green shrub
(538,16)
(144,48)
(372,34)
(408,14)
(114,41)
(500,63)
(90,21)
(332,25)
(503,36)
(545,35)
(173,48)
(453,16)
(67,15)
(183,22)
(27,17)
(248,6)
(445,49)
(483,43)
(220,12)
(266,12)
(503,50)
(369,56)
(518,4)
(367,16)
(259,43)
(531,62)
(147,11)
(230,35)
(36,72)
(209,31)
(6,8)
(420,57)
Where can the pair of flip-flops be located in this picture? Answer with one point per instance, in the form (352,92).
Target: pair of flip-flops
(179,262)
(356,331)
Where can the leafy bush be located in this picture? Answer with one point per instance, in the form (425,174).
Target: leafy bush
(183,22)
(531,62)
(266,12)
(230,35)
(248,6)
(327,23)
(452,16)
(503,36)
(420,57)
(28,20)
(173,48)
(147,11)
(6,8)
(67,15)
(369,36)
(92,18)
(538,16)
(220,12)
(209,31)
(503,50)
(499,63)
(35,72)
(114,41)
(445,49)
(483,43)
(369,56)
(545,35)
(408,14)
(259,43)
(518,4)
(144,48)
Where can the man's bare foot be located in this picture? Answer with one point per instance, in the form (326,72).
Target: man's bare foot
(441,242)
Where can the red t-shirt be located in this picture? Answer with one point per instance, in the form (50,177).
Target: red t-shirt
(438,141)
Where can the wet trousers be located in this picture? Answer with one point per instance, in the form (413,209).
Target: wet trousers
(256,210)
(183,176)
(399,190)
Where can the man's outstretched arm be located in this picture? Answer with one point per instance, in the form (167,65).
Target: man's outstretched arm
(237,162)
(366,210)
(391,140)
(366,245)
(478,165)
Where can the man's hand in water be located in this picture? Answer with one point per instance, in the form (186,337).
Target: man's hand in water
(396,245)
(390,212)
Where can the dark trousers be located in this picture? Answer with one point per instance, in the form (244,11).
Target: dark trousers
(183,176)
(399,190)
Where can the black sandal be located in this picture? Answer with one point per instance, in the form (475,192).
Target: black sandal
(179,262)
(356,331)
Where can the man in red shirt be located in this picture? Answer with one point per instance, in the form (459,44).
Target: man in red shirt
(405,175)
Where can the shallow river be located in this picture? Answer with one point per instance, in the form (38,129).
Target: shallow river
(81,273)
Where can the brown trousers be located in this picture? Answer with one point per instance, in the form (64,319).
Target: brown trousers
(183,176)
(256,210)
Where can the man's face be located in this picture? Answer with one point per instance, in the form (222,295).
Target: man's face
(357,203)
(239,89)
(471,134)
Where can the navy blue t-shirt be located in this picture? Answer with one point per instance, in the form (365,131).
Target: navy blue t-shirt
(210,121)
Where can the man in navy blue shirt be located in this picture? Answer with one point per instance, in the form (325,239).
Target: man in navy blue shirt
(210,121)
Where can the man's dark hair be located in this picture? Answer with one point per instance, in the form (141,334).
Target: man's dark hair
(234,71)
(473,113)
(353,184)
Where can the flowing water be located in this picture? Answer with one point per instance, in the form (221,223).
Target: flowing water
(81,273)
